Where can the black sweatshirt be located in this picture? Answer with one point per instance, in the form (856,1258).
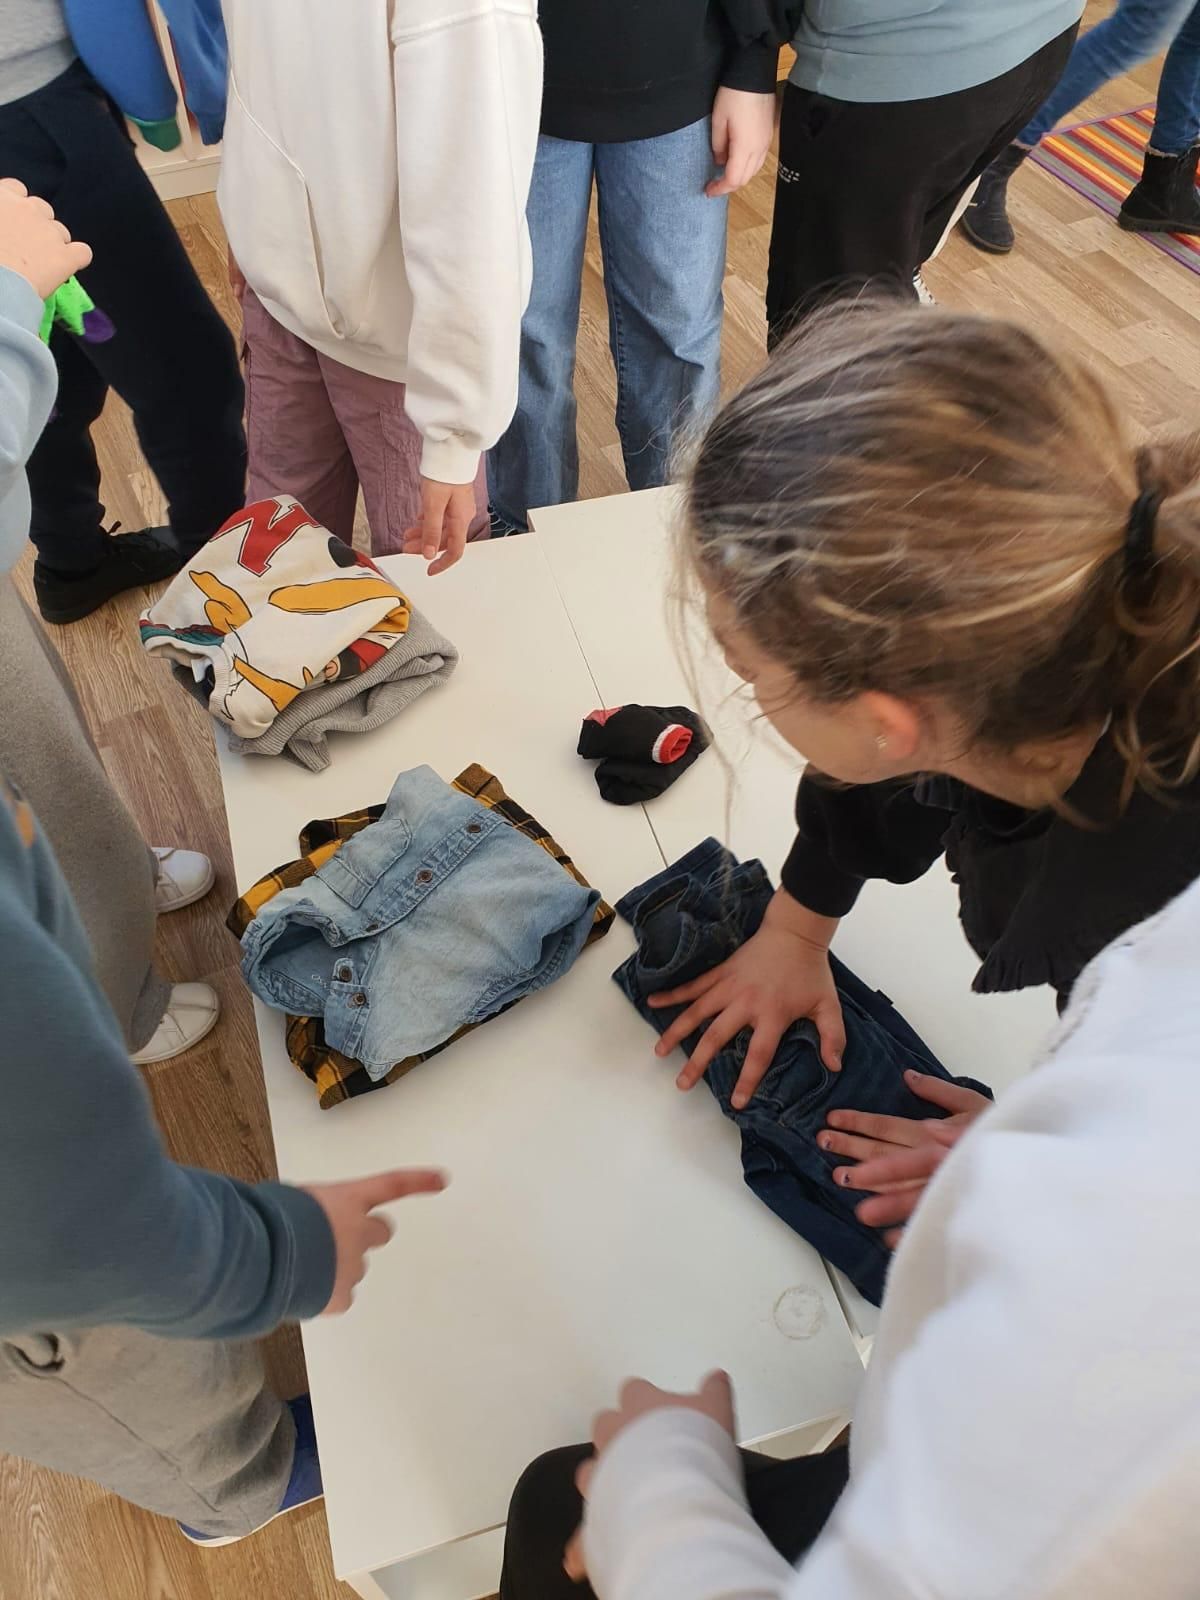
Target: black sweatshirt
(634,69)
(1039,894)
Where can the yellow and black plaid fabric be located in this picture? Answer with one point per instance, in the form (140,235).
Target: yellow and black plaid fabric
(338,1077)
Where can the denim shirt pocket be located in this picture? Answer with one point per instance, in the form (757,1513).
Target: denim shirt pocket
(354,876)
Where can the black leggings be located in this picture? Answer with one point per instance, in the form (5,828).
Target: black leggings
(172,359)
(866,190)
(790,1500)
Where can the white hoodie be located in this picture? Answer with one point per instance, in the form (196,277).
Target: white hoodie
(1030,1424)
(374,176)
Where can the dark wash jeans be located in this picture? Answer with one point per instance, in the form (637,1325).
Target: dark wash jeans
(694,915)
(172,359)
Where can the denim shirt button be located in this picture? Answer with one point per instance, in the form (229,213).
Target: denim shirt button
(358,999)
(424,876)
(474,827)
(372,927)
(344,974)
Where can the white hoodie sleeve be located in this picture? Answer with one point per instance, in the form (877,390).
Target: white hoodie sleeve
(667,1518)
(1030,1422)
(468,105)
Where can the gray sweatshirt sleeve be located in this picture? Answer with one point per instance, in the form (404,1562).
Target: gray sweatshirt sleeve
(100,1225)
(27,384)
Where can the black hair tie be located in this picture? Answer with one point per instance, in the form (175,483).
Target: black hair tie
(1139,534)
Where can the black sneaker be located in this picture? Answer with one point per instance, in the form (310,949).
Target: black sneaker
(131,561)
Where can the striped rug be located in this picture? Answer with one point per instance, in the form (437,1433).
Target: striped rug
(1102,161)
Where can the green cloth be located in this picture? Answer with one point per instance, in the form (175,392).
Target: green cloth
(163,133)
(67,308)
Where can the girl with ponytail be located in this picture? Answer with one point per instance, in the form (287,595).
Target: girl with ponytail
(957,584)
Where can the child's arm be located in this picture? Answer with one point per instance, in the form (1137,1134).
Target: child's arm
(756,30)
(851,832)
(468,105)
(101,1226)
(118,45)
(35,258)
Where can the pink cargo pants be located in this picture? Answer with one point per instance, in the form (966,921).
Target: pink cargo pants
(318,430)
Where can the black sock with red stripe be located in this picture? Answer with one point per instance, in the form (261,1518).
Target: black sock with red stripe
(642,750)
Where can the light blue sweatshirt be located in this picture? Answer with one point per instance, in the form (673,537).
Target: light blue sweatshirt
(100,1225)
(888,50)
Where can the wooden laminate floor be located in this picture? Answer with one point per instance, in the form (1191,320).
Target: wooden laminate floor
(1135,313)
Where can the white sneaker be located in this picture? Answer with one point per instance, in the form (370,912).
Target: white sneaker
(924,293)
(184,876)
(191,1013)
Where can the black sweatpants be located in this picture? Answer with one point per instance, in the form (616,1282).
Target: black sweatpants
(866,191)
(790,1500)
(172,360)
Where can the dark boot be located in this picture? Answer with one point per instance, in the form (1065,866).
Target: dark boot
(985,221)
(1165,201)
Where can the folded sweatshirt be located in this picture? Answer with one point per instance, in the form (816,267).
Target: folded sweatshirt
(272,605)
(420,660)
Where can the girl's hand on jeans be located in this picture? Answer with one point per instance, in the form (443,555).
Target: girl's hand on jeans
(713,1399)
(780,974)
(357,1227)
(447,512)
(743,125)
(897,1156)
(34,245)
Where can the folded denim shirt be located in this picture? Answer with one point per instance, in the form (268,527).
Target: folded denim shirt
(694,915)
(410,923)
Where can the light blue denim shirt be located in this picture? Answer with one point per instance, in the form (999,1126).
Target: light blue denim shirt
(438,915)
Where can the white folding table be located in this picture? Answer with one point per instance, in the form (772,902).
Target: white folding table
(596,1224)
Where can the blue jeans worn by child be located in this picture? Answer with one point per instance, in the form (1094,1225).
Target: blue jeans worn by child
(688,919)
(1136,30)
(663,245)
(1177,114)
(437,916)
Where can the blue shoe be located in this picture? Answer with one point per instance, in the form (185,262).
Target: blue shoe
(304,1485)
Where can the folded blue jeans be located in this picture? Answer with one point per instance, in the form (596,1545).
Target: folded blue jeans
(434,918)
(694,915)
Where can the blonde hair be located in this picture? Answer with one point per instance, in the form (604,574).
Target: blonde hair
(932,504)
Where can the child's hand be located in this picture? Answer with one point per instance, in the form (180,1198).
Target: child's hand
(637,1398)
(778,976)
(447,512)
(353,1215)
(743,125)
(33,244)
(237,278)
(897,1156)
